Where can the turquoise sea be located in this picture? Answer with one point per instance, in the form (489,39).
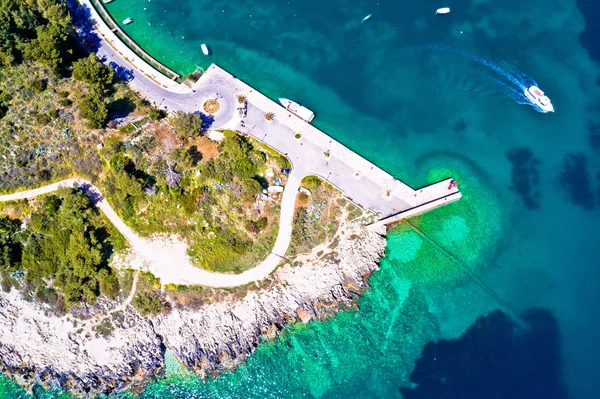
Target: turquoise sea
(498,298)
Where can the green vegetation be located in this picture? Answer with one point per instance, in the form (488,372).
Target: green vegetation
(317,217)
(159,184)
(312,183)
(148,300)
(93,108)
(186,125)
(91,71)
(63,252)
(35,30)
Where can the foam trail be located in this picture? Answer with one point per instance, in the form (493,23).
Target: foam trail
(507,79)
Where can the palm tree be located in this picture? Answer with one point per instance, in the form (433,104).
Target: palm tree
(241,99)
(269,116)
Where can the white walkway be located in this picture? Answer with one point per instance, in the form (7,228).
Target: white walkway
(167,259)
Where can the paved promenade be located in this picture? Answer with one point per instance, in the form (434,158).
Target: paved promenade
(361,181)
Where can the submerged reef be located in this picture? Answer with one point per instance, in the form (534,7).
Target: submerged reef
(437,246)
(574,178)
(525,176)
(501,358)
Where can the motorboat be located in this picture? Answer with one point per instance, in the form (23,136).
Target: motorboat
(538,98)
(365,18)
(443,10)
(204,49)
(127,21)
(297,109)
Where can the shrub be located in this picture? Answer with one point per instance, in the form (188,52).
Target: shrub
(39,85)
(156,114)
(94,109)
(65,102)
(297,136)
(91,71)
(42,119)
(262,223)
(126,129)
(150,303)
(311,183)
(186,125)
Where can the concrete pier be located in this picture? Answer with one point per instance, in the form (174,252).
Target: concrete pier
(313,153)
(316,153)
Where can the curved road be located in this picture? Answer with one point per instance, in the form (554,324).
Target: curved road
(168,260)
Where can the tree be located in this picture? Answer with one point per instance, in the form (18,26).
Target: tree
(186,125)
(94,109)
(49,46)
(63,247)
(91,71)
(237,151)
(10,249)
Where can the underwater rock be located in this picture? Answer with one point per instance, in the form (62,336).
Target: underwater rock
(575,180)
(525,176)
(505,361)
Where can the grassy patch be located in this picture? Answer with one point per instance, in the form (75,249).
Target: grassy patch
(317,216)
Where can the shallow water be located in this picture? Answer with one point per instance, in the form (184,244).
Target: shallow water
(409,91)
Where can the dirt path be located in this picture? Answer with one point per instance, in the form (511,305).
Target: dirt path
(167,258)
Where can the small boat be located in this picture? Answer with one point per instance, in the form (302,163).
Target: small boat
(127,21)
(106,1)
(204,49)
(297,109)
(365,18)
(443,10)
(538,98)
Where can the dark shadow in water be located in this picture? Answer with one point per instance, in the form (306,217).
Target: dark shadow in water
(590,9)
(575,180)
(525,176)
(594,137)
(495,359)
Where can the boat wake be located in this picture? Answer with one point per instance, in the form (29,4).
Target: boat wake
(505,78)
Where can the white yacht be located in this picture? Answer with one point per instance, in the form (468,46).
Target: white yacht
(537,97)
(297,109)
(127,21)
(443,10)
(204,49)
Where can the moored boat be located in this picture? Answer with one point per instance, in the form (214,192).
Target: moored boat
(538,98)
(204,49)
(443,10)
(127,21)
(297,109)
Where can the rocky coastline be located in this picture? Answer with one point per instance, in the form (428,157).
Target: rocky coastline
(37,347)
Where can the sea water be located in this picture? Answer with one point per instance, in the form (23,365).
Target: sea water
(492,296)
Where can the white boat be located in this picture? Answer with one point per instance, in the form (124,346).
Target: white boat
(365,18)
(443,10)
(204,49)
(127,21)
(537,97)
(297,109)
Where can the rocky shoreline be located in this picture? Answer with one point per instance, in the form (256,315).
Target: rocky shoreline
(38,347)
